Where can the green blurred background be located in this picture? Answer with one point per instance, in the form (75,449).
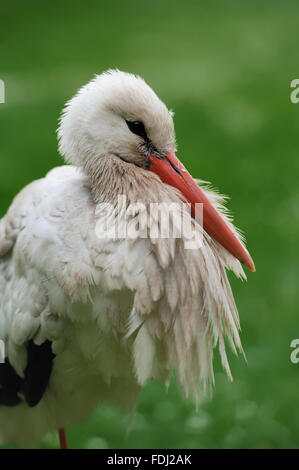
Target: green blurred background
(225,68)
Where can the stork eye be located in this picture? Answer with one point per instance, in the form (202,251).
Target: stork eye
(137,128)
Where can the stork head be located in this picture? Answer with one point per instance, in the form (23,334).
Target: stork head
(116,113)
(119,114)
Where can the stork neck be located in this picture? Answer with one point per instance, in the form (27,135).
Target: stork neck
(111,177)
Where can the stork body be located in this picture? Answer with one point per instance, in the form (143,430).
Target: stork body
(88,319)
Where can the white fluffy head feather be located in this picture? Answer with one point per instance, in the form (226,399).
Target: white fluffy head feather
(93,122)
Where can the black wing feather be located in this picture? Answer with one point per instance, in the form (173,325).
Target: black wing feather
(10,385)
(38,371)
(37,376)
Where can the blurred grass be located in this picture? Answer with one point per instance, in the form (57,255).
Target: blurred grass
(225,68)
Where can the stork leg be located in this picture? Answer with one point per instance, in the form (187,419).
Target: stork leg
(62,438)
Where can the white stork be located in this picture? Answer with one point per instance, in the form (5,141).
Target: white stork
(87,319)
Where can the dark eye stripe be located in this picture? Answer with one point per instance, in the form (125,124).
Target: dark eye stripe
(137,128)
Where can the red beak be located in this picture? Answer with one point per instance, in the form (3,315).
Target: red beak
(172,172)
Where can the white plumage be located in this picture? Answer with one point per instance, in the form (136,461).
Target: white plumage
(118,312)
